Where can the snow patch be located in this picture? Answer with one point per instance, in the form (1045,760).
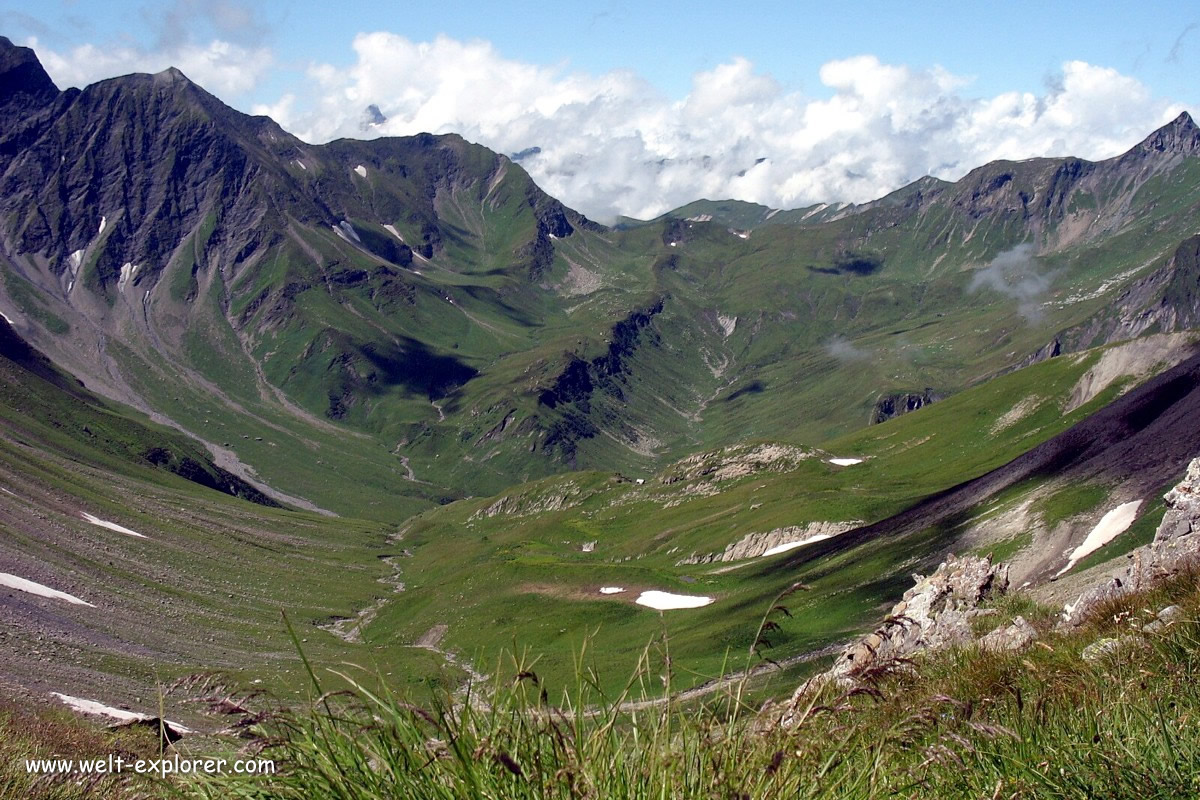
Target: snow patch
(119,714)
(611,589)
(665,601)
(6,319)
(112,526)
(103,225)
(361,170)
(74,260)
(300,164)
(23,585)
(786,546)
(128,270)
(728,324)
(700,218)
(771,213)
(345,230)
(845,462)
(816,210)
(1110,526)
(392,230)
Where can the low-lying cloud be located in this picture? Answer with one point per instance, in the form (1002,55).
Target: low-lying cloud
(843,349)
(1014,273)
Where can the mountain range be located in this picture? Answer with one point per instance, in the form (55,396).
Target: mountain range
(402,360)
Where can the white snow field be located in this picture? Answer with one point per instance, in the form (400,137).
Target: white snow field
(665,601)
(112,526)
(24,585)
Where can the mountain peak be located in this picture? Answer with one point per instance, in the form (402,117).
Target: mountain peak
(1180,135)
(172,75)
(23,81)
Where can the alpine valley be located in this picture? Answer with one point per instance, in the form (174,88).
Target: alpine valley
(395,390)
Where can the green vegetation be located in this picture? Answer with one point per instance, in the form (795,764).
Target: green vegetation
(37,732)
(964,724)
(1006,549)
(1069,502)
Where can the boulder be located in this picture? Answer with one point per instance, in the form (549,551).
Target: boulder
(1017,635)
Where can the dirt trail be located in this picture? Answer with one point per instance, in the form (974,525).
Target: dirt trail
(725,681)
(431,640)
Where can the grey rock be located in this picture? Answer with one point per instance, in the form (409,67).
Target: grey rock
(934,614)
(1101,649)
(1017,635)
(1170,614)
(755,544)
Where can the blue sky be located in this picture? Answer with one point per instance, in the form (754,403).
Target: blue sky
(674,100)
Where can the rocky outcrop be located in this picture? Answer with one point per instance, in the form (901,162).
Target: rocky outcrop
(735,461)
(554,498)
(1175,548)
(893,405)
(934,614)
(753,545)
(1165,300)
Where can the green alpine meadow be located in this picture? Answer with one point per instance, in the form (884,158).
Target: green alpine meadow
(376,469)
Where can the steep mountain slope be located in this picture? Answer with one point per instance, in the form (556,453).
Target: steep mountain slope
(128,559)
(417,319)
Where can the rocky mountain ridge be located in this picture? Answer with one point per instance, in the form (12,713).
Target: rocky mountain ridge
(418,291)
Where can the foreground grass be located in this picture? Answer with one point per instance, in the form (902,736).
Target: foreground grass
(45,733)
(1042,723)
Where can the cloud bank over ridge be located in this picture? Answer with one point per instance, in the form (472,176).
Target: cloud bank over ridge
(611,144)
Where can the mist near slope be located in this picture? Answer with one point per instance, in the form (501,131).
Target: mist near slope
(843,349)
(1014,273)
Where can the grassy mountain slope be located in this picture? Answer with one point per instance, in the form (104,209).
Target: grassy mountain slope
(196,579)
(418,319)
(534,559)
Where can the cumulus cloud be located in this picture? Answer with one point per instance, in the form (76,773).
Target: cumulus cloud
(217,43)
(1015,274)
(222,67)
(612,144)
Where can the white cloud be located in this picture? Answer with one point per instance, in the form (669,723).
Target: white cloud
(221,67)
(611,144)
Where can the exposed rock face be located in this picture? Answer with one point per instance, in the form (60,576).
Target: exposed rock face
(736,461)
(1176,547)
(522,504)
(1165,300)
(753,545)
(893,405)
(583,392)
(934,614)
